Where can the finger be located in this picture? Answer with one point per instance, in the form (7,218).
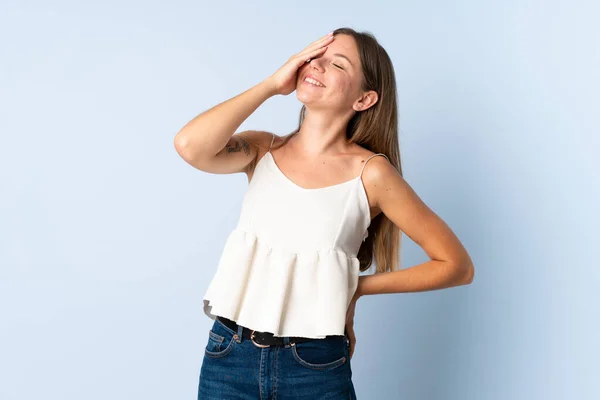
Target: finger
(310,55)
(323,38)
(318,44)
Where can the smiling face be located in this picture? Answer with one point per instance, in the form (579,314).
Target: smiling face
(339,70)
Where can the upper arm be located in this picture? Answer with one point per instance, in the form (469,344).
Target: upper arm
(237,155)
(399,202)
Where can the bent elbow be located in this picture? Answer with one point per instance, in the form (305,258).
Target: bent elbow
(469,275)
(180,142)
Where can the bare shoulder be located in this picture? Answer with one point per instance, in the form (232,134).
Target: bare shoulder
(257,137)
(376,168)
(379,173)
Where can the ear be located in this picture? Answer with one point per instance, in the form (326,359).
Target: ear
(367,100)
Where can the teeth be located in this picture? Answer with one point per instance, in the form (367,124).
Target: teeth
(310,80)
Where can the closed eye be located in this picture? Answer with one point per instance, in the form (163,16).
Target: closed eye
(338,66)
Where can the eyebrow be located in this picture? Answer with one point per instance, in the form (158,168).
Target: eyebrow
(343,56)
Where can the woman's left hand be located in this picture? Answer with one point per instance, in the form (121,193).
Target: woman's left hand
(350,325)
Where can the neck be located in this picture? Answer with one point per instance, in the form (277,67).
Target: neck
(321,133)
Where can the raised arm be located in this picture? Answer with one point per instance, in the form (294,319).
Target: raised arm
(208,142)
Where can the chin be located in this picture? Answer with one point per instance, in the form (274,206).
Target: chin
(305,97)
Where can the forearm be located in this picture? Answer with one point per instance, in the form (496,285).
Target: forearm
(430,275)
(209,132)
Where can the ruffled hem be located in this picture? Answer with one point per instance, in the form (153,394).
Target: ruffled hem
(287,294)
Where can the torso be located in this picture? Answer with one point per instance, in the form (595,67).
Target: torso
(320,173)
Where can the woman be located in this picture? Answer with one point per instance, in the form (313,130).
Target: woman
(314,216)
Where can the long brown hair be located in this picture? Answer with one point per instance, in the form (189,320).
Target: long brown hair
(375,129)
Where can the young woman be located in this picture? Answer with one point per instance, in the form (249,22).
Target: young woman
(314,216)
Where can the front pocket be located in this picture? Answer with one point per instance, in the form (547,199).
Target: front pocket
(218,345)
(320,354)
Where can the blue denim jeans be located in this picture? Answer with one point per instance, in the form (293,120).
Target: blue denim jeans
(234,368)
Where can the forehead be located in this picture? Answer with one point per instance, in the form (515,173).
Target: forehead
(344,44)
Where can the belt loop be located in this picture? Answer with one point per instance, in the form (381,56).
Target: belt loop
(240,332)
(286,341)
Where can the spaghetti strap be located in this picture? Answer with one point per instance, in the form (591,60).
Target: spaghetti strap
(272,140)
(367,160)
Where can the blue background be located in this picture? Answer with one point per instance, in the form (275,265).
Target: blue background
(108,239)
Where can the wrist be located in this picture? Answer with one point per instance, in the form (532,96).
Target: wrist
(269,86)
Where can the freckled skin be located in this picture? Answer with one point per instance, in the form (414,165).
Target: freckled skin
(342,84)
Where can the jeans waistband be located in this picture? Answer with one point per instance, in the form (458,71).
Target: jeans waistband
(264,338)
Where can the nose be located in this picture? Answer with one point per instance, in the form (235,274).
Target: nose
(315,63)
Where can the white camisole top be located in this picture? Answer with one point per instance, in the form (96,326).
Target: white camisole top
(290,266)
